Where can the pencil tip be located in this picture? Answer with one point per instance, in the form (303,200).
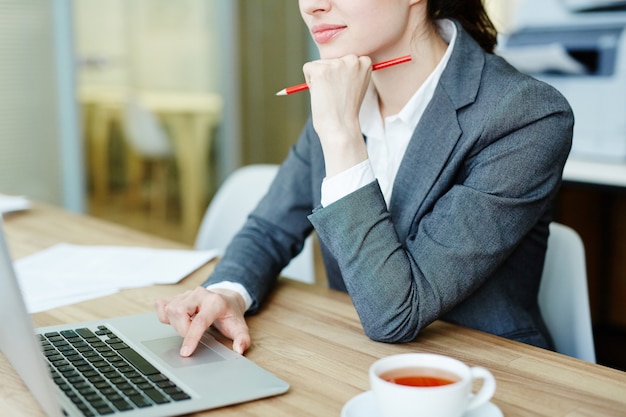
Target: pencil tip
(282,92)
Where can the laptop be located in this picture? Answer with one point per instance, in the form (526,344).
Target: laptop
(124,366)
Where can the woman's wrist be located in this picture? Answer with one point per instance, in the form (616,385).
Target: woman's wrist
(342,152)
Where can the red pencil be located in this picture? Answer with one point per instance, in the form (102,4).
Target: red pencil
(380,65)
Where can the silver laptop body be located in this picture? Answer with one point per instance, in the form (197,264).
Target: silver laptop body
(161,384)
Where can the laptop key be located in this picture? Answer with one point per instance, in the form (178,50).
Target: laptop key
(140,401)
(122,404)
(157,378)
(138,361)
(176,393)
(85,333)
(156,396)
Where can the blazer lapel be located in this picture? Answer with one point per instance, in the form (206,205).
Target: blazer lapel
(425,157)
(437,133)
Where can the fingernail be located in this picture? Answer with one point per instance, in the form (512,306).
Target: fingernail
(184,351)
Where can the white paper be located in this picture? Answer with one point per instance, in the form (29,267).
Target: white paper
(65,273)
(36,305)
(9,203)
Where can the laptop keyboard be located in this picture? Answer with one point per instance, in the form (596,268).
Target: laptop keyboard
(102,375)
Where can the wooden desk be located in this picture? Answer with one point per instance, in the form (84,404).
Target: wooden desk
(311,337)
(190,117)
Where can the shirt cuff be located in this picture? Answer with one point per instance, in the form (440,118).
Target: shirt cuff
(233,286)
(346,182)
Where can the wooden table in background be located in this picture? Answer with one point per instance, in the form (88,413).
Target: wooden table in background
(191,119)
(311,337)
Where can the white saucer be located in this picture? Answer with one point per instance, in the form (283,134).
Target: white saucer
(364,405)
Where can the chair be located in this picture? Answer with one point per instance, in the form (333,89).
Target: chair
(150,148)
(229,208)
(563,295)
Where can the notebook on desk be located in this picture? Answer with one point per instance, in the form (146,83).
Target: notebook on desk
(127,366)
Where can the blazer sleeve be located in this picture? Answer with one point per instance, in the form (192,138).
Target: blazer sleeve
(498,182)
(276,229)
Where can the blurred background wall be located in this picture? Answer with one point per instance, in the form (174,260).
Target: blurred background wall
(39,147)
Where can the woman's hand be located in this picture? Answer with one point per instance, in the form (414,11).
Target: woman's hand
(337,87)
(193,312)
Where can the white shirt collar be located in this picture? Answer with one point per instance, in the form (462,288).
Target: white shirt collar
(411,113)
(387,143)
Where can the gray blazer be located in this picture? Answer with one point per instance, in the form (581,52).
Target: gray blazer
(465,235)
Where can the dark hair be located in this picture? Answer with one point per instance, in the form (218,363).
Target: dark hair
(472,16)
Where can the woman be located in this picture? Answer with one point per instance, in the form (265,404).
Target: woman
(429,184)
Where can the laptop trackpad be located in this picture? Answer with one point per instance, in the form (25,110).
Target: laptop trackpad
(168,349)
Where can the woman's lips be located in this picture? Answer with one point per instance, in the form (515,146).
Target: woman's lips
(324,33)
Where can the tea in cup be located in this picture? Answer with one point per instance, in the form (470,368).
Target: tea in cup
(428,385)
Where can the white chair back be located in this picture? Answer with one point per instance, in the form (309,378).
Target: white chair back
(563,294)
(229,209)
(144,132)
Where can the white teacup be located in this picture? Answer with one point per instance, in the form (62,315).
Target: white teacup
(450,394)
